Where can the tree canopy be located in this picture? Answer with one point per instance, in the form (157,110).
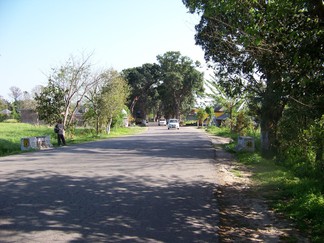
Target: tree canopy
(143,82)
(181,82)
(50,103)
(112,97)
(272,49)
(66,88)
(168,87)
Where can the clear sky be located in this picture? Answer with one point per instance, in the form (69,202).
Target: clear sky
(36,35)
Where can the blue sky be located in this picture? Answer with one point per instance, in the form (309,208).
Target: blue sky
(36,35)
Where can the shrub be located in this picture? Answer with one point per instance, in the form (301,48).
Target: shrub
(301,143)
(11,121)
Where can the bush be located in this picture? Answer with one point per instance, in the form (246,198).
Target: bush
(3,117)
(243,124)
(11,121)
(301,144)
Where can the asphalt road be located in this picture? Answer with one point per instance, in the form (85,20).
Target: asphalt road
(153,187)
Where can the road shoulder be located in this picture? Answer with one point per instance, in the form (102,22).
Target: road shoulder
(245,215)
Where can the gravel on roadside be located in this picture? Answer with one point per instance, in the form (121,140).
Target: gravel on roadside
(245,215)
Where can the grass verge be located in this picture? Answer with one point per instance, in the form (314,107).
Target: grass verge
(301,199)
(11,133)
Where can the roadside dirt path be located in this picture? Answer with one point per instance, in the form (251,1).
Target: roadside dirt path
(244,215)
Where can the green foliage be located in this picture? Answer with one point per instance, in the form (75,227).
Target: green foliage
(231,101)
(181,82)
(11,133)
(210,112)
(69,85)
(118,120)
(248,158)
(3,104)
(66,89)
(50,103)
(242,123)
(222,131)
(3,117)
(144,82)
(299,197)
(271,50)
(302,142)
(14,113)
(201,115)
(112,99)
(10,121)
(167,88)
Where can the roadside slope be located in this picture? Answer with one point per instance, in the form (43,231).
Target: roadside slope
(244,215)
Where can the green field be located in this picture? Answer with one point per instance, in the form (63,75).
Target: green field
(11,134)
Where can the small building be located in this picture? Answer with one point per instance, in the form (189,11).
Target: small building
(218,110)
(220,119)
(6,112)
(29,116)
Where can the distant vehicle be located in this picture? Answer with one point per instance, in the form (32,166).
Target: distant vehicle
(162,122)
(173,123)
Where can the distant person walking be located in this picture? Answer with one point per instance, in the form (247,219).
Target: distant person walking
(59,129)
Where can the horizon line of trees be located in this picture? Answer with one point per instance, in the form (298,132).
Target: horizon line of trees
(168,88)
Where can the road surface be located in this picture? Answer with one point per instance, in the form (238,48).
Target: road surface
(153,187)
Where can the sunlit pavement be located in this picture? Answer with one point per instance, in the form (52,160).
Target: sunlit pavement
(153,187)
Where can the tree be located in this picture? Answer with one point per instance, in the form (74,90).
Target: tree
(143,82)
(36,90)
(180,83)
(15,93)
(210,112)
(3,106)
(226,97)
(72,80)
(92,114)
(112,98)
(201,115)
(105,99)
(50,103)
(26,101)
(269,48)
(3,103)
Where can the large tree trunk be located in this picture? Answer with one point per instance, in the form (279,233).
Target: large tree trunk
(271,113)
(319,156)
(319,153)
(109,125)
(268,137)
(97,125)
(177,109)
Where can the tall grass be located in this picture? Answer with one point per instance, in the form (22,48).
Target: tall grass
(300,198)
(11,134)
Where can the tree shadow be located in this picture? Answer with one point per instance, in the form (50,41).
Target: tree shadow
(113,209)
(162,145)
(245,215)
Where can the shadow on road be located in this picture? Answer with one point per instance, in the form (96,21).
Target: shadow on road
(78,209)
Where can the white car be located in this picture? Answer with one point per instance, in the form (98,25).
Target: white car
(173,123)
(162,122)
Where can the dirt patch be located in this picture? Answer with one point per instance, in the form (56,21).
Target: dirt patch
(244,214)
